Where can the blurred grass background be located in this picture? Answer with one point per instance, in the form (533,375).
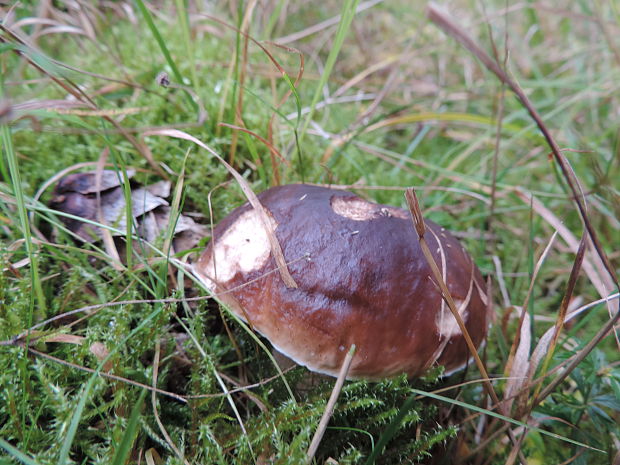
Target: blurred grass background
(384,101)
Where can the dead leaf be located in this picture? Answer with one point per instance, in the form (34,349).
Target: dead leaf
(520,366)
(592,264)
(76,194)
(99,350)
(65,338)
(160,189)
(85,183)
(187,233)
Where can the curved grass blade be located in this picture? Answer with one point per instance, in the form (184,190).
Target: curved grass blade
(63,456)
(390,431)
(17,454)
(499,416)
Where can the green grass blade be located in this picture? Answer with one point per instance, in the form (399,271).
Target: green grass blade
(164,49)
(499,416)
(176,205)
(16,180)
(9,152)
(17,454)
(273,19)
(124,447)
(77,415)
(159,39)
(187,37)
(390,430)
(63,456)
(394,424)
(251,145)
(348,12)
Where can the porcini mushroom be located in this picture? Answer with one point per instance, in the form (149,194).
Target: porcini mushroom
(362,279)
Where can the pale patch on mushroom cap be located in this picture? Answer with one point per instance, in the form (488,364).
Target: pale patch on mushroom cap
(447,325)
(244,247)
(357,209)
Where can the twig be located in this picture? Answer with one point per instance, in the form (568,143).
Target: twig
(331,404)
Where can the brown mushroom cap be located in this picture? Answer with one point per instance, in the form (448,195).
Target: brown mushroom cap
(362,280)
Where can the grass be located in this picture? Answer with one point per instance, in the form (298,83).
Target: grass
(386,101)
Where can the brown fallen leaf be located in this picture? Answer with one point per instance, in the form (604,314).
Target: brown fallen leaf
(76,194)
(99,350)
(85,183)
(65,338)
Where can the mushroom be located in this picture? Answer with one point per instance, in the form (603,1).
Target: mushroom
(362,279)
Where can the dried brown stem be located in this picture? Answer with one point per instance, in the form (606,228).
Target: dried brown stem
(559,324)
(526,303)
(418,222)
(264,216)
(331,404)
(444,22)
(602,333)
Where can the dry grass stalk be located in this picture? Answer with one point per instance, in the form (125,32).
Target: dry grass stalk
(242,72)
(318,27)
(562,313)
(102,373)
(518,358)
(75,90)
(418,222)
(248,38)
(108,241)
(270,146)
(592,264)
(276,249)
(453,30)
(331,404)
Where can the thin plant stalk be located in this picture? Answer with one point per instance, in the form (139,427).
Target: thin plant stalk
(7,143)
(418,222)
(559,324)
(331,404)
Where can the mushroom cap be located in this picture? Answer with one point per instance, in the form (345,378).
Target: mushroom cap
(362,279)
